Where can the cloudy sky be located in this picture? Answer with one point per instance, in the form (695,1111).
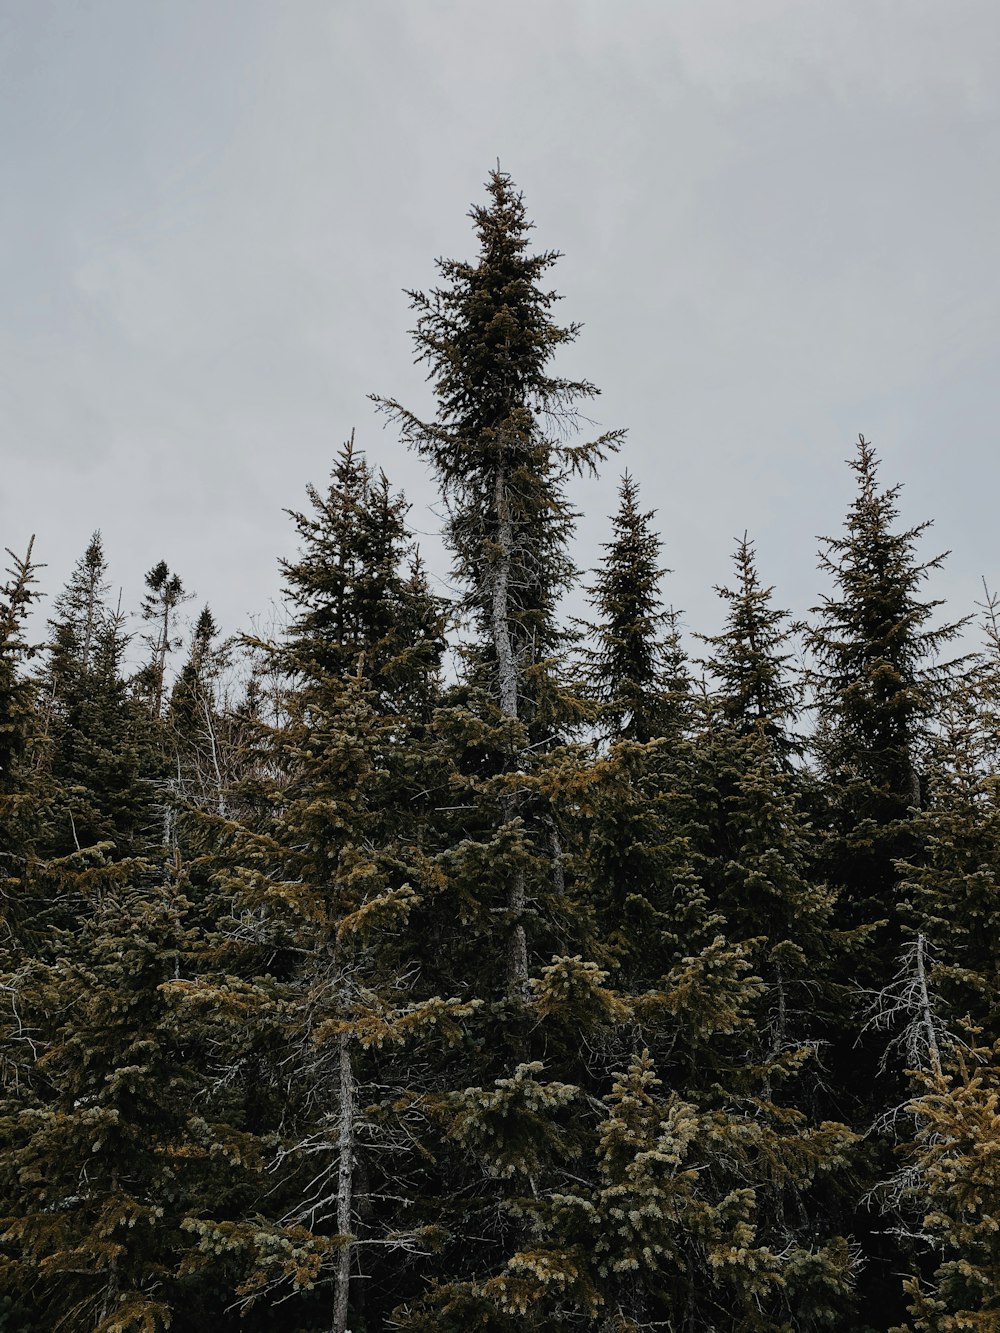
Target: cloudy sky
(779,219)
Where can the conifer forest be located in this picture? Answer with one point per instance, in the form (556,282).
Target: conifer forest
(459,966)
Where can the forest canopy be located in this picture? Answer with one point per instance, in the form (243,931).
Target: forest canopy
(455,964)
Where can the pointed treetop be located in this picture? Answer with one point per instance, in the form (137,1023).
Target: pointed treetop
(637,640)
(748,658)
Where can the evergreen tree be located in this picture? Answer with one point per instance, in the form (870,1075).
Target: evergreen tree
(635,667)
(487,337)
(160,607)
(749,659)
(952,1181)
(95,746)
(765,851)
(327,879)
(208,731)
(359,592)
(17,695)
(104,1145)
(877,684)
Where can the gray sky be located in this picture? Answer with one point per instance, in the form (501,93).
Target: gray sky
(780,222)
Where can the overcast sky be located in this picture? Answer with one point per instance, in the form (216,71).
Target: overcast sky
(780,221)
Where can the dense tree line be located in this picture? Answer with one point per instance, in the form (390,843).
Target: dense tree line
(450,966)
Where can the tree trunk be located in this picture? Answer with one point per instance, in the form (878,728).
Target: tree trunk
(517,955)
(345,1176)
(506,668)
(925,1005)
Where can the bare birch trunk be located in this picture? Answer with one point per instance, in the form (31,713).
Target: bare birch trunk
(517,958)
(345,1177)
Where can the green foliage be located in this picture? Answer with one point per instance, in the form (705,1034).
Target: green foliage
(401,972)
(953,1180)
(749,659)
(487,337)
(17,706)
(636,668)
(103,1149)
(878,684)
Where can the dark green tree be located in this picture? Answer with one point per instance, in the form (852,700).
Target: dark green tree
(635,666)
(327,880)
(498,446)
(18,716)
(877,682)
(161,605)
(358,591)
(487,337)
(96,742)
(749,660)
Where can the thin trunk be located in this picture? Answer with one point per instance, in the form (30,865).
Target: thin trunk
(502,645)
(925,1006)
(214,751)
(88,625)
(558,859)
(345,1177)
(777,1031)
(914,786)
(517,957)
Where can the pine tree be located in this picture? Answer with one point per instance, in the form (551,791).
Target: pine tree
(160,607)
(487,337)
(877,684)
(952,1181)
(355,608)
(749,659)
(17,693)
(766,878)
(95,743)
(327,879)
(636,666)
(104,1146)
(945,1009)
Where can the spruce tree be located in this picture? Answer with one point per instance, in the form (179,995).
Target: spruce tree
(877,682)
(749,659)
(487,337)
(327,878)
(104,1142)
(629,665)
(497,443)
(160,607)
(877,685)
(358,592)
(944,1016)
(96,743)
(764,848)
(17,694)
